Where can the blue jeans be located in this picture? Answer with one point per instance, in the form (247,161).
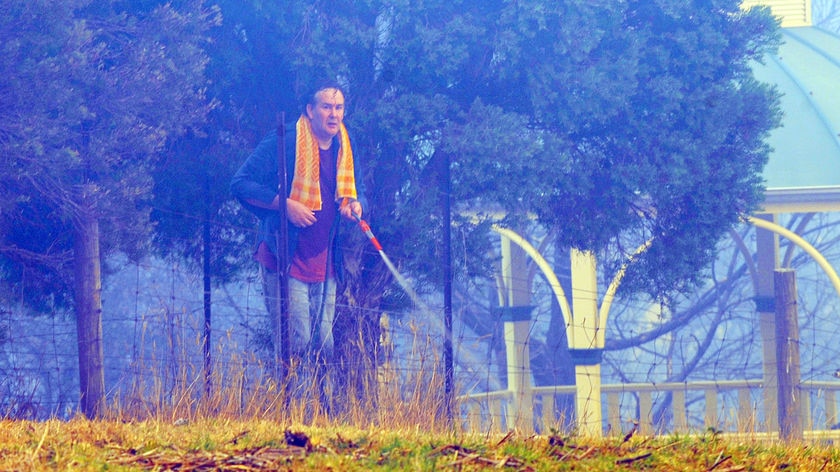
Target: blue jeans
(311,315)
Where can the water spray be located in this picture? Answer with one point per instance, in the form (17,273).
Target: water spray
(430,316)
(396,273)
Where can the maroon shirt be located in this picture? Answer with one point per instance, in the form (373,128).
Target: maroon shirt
(309,262)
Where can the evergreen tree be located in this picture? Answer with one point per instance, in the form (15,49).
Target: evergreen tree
(608,121)
(92,93)
(614,123)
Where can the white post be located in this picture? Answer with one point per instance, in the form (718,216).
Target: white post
(583,343)
(517,325)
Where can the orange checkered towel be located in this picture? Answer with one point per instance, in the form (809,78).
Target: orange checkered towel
(306,186)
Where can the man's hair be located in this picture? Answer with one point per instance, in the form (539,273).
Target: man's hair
(311,95)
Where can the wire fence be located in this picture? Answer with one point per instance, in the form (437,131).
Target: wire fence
(656,357)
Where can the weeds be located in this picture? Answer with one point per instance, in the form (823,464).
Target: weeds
(250,445)
(392,420)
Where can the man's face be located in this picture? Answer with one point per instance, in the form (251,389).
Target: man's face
(327,113)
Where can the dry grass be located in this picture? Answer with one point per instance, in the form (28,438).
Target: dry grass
(247,422)
(252,426)
(249,445)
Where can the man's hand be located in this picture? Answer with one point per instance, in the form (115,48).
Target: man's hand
(349,210)
(298,214)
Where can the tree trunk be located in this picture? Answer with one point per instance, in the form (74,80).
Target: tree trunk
(88,305)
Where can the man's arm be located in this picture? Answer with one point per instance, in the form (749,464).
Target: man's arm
(255,182)
(355,207)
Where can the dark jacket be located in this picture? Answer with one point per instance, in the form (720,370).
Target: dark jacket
(257,179)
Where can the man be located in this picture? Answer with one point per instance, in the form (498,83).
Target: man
(324,181)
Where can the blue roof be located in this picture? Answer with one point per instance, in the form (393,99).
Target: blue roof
(806,148)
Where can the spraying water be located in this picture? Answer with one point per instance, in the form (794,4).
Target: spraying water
(391,267)
(473,363)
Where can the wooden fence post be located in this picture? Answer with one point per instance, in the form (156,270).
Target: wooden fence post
(787,355)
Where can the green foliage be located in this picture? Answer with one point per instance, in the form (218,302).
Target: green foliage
(614,123)
(249,81)
(92,95)
(192,207)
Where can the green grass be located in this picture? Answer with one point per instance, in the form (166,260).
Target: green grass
(220,444)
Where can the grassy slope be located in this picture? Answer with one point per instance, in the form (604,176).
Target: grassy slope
(220,444)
